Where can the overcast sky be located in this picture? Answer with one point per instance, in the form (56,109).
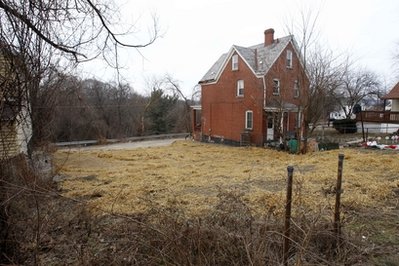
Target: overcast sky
(196,33)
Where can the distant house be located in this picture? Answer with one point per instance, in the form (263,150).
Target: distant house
(393,95)
(386,121)
(15,125)
(337,115)
(253,94)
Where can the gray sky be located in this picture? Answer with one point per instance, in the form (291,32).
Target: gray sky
(196,33)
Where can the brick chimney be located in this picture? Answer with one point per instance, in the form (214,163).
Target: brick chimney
(269,36)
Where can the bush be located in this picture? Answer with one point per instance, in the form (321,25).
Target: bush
(58,231)
(344,126)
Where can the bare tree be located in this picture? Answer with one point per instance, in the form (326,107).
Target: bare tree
(306,29)
(42,34)
(325,72)
(92,109)
(83,29)
(174,86)
(356,86)
(35,35)
(44,99)
(395,60)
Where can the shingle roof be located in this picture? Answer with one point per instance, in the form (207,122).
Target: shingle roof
(258,57)
(394,93)
(213,71)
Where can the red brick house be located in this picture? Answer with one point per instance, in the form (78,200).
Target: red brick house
(252,95)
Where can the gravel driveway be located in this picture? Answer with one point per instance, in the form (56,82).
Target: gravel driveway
(128,145)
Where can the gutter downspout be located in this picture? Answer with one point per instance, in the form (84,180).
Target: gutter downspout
(264,92)
(264,107)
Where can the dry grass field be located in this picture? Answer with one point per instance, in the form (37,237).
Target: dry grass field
(191,177)
(192,174)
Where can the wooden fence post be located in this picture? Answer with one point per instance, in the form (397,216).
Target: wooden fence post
(286,244)
(338,192)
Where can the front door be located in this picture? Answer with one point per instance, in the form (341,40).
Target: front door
(270,127)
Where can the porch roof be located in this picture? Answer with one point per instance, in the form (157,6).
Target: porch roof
(196,107)
(285,107)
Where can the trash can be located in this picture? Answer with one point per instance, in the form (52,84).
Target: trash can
(293,146)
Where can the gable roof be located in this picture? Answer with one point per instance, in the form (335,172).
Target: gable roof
(258,57)
(394,93)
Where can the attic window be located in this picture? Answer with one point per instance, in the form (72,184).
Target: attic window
(234,62)
(276,87)
(289,59)
(240,87)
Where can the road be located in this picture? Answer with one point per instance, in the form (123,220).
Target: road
(128,145)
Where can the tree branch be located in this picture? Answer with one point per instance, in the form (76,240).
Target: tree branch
(30,25)
(113,35)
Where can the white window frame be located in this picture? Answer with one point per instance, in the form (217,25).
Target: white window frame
(234,62)
(296,89)
(289,59)
(276,87)
(240,88)
(249,123)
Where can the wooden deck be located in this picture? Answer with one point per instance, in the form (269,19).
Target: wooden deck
(378,116)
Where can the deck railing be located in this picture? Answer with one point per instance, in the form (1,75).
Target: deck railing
(378,116)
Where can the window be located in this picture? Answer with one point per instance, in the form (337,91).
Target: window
(240,87)
(296,89)
(249,120)
(276,87)
(289,59)
(234,62)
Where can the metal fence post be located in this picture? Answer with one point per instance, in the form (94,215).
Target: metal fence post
(286,244)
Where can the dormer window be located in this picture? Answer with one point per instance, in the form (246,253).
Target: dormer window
(234,62)
(240,87)
(276,87)
(289,59)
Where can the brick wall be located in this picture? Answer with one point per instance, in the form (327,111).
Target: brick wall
(224,112)
(287,77)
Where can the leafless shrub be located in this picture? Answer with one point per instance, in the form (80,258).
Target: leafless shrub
(17,181)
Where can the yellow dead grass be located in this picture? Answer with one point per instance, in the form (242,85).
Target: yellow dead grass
(190,175)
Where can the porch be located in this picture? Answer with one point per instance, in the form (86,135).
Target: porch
(281,121)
